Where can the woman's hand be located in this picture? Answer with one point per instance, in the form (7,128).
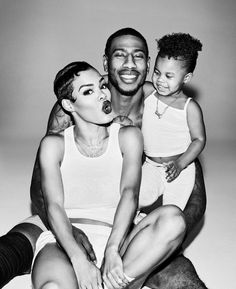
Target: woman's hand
(87,274)
(112,270)
(173,170)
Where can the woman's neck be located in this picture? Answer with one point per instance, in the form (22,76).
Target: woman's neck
(91,134)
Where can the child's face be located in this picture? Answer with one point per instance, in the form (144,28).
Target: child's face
(169,75)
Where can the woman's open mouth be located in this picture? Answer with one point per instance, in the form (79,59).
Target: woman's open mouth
(106,107)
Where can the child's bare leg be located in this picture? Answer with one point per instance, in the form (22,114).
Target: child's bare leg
(153,240)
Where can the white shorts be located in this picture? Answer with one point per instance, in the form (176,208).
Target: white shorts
(154,184)
(97,235)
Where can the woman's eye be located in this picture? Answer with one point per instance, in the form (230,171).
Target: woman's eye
(104,86)
(88,91)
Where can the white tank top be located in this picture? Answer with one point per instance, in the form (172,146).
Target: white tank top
(168,135)
(92,185)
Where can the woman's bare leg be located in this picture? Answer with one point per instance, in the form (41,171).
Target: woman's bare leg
(52,269)
(153,240)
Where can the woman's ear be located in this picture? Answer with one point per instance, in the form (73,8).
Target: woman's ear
(67,105)
(188,77)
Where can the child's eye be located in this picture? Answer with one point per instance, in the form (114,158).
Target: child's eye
(169,76)
(88,91)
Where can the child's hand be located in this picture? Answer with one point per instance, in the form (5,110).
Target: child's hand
(172,170)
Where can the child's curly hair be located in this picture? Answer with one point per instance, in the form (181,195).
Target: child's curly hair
(180,46)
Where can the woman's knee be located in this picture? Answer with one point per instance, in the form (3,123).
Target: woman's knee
(171,220)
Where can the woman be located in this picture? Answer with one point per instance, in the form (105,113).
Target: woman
(91,177)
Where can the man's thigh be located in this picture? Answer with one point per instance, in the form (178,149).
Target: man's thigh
(177,272)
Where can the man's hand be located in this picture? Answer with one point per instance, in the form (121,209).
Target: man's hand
(82,239)
(112,270)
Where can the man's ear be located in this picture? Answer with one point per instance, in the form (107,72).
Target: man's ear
(188,77)
(67,105)
(105,63)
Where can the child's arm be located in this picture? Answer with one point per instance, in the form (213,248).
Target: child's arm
(198,137)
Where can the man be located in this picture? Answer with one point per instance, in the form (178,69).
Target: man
(126,61)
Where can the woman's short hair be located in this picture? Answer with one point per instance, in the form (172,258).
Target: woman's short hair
(63,87)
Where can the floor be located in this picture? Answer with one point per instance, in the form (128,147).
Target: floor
(212,251)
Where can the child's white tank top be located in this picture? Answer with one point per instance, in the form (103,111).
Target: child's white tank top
(168,135)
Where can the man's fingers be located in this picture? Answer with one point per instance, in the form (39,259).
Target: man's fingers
(89,248)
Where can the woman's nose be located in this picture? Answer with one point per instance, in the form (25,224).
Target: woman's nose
(102,96)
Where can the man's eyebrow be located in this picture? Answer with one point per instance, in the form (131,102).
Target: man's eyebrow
(123,49)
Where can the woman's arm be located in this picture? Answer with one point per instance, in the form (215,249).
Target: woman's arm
(50,156)
(131,144)
(198,137)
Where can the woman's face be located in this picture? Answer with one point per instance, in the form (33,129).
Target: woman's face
(90,92)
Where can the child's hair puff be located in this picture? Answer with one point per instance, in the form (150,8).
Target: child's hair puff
(180,46)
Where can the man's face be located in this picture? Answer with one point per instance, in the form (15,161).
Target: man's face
(127,64)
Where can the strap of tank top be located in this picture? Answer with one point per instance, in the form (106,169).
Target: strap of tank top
(187,102)
(114,131)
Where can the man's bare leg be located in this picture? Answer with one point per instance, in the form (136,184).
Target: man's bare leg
(178,273)
(16,251)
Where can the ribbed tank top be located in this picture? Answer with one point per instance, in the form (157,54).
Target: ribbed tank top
(92,185)
(168,135)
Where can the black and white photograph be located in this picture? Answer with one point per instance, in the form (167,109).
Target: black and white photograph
(118,144)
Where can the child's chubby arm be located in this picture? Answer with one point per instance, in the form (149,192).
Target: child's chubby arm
(198,137)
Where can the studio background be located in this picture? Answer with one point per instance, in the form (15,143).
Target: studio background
(37,38)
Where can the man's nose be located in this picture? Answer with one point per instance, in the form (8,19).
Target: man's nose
(129,61)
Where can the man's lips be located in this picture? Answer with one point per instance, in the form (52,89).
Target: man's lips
(106,107)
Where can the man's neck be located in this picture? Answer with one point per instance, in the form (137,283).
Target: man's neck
(128,106)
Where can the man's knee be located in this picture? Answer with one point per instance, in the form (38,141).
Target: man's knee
(16,256)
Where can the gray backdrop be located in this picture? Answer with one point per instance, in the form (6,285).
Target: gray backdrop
(38,37)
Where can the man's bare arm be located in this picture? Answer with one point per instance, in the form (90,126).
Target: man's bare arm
(58,120)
